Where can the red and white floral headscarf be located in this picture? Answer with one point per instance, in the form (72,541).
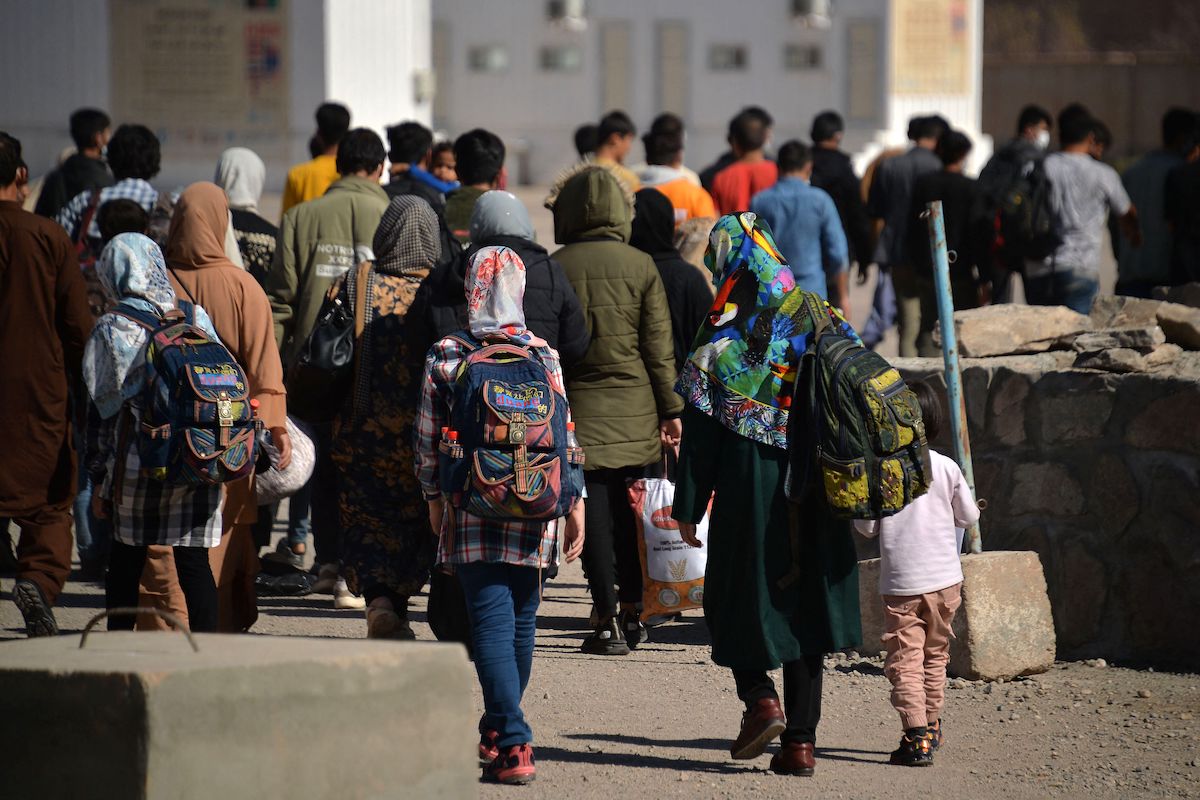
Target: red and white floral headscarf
(496,297)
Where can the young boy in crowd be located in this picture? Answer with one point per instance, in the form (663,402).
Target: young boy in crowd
(920,578)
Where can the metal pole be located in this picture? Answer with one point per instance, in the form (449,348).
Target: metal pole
(954,384)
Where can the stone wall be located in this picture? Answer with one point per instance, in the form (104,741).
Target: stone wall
(1099,473)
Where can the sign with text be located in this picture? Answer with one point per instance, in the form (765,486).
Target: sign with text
(202,74)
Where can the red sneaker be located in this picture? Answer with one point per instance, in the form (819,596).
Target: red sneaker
(514,766)
(488,750)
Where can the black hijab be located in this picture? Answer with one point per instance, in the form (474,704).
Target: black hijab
(654,225)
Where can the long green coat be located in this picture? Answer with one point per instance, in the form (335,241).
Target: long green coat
(769,597)
(624,384)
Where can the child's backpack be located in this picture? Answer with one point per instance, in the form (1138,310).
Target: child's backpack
(857,428)
(196,425)
(507,453)
(1027,224)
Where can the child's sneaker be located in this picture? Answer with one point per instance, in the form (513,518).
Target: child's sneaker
(489,751)
(935,733)
(514,766)
(914,751)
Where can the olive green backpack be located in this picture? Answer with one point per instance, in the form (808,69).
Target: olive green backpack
(856,431)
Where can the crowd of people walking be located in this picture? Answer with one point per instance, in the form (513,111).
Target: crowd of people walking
(491,400)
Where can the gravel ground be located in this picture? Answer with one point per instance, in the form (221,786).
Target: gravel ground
(658,723)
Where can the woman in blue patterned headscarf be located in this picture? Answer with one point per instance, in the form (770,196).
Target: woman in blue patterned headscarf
(144,511)
(781,586)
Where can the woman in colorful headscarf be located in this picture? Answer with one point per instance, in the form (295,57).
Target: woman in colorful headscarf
(144,512)
(388,546)
(498,563)
(781,586)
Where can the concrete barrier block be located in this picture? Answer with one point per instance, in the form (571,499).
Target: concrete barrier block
(1004,627)
(141,716)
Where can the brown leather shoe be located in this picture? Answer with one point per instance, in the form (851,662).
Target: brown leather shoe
(760,725)
(794,758)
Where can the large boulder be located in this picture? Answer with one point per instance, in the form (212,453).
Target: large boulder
(1187,294)
(1180,323)
(1013,329)
(1004,627)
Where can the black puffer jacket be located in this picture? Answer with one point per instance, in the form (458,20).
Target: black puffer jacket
(552,309)
(688,295)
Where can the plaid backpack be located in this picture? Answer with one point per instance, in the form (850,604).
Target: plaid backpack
(857,432)
(508,453)
(197,425)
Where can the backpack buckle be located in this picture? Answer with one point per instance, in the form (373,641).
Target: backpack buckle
(224,411)
(517,431)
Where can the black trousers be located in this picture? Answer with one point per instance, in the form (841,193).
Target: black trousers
(328,538)
(125,566)
(802,681)
(610,551)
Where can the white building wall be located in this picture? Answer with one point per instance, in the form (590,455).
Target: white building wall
(536,111)
(374,50)
(57,57)
(54,59)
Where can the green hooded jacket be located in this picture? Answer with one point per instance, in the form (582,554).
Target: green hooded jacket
(624,385)
(318,241)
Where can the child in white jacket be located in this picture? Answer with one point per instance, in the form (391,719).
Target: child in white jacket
(920,578)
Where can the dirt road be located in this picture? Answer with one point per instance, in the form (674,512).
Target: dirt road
(658,722)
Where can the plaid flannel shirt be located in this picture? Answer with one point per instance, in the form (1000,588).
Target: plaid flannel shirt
(72,213)
(466,538)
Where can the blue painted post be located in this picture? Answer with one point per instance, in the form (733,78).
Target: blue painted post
(954,384)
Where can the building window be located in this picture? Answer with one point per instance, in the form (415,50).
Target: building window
(488,58)
(569,14)
(801,57)
(727,57)
(566,58)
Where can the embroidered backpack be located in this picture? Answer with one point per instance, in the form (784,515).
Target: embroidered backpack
(196,425)
(508,453)
(858,433)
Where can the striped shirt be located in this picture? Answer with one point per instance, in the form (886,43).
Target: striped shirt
(468,539)
(72,213)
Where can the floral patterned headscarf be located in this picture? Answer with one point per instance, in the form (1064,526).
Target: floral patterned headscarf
(744,360)
(496,296)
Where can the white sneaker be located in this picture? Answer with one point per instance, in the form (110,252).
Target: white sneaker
(327,578)
(344,599)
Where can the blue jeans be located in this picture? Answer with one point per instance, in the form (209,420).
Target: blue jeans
(1063,287)
(92,535)
(502,602)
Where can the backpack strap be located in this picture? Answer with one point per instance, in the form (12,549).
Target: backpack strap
(85,223)
(816,310)
(182,285)
(145,319)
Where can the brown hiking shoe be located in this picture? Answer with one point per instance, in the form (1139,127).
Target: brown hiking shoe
(794,758)
(761,723)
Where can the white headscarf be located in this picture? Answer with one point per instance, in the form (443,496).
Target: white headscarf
(241,173)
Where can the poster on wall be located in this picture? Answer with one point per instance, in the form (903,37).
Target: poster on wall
(203,74)
(931,46)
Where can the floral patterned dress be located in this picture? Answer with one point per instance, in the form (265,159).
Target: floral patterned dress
(388,542)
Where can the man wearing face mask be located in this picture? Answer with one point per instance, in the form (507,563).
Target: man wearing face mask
(1012,160)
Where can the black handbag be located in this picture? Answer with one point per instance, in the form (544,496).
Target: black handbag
(323,372)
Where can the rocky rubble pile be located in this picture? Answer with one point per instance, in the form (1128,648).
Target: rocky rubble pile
(1122,334)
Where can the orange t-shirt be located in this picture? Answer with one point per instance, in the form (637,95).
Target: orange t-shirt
(734,186)
(688,199)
